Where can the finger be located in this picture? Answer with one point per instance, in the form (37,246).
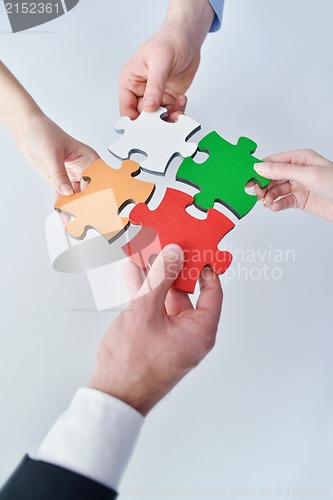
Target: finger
(211,296)
(64,218)
(285,157)
(158,72)
(181,103)
(299,157)
(276,183)
(83,184)
(250,188)
(177,302)
(162,274)
(128,103)
(284,203)
(168,102)
(297,173)
(133,279)
(76,187)
(275,193)
(79,157)
(254,189)
(178,108)
(259,192)
(60,179)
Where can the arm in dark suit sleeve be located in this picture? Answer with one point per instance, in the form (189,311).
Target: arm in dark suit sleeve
(37,480)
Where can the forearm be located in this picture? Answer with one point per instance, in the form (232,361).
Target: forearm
(16,104)
(195,17)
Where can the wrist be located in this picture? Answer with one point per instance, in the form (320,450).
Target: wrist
(135,393)
(19,120)
(17,107)
(191,17)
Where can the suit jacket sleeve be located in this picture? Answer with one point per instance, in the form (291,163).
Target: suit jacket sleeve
(37,480)
(83,456)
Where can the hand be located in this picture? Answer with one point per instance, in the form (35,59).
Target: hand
(301,179)
(162,70)
(159,73)
(160,337)
(58,158)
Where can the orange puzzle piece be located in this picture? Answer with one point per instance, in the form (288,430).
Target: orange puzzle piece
(109,191)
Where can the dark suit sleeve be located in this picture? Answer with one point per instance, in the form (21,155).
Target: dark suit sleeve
(36,480)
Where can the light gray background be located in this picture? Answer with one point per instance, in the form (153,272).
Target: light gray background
(259,411)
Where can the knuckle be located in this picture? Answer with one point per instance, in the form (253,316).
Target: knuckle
(59,177)
(308,156)
(155,86)
(309,152)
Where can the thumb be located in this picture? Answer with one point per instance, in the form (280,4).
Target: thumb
(158,73)
(162,274)
(285,171)
(60,179)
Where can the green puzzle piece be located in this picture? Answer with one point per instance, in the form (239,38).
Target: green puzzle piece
(224,175)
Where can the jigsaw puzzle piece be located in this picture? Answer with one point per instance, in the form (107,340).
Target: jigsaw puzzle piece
(224,175)
(158,140)
(98,206)
(198,238)
(120,147)
(89,209)
(143,246)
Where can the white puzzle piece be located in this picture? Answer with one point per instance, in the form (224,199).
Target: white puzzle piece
(161,141)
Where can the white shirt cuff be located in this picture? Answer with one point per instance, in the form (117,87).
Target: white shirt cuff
(95,437)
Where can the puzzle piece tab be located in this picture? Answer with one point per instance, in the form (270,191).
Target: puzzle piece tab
(224,175)
(161,141)
(99,204)
(198,238)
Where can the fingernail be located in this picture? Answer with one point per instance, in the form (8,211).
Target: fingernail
(149,101)
(182,101)
(173,252)
(66,189)
(261,167)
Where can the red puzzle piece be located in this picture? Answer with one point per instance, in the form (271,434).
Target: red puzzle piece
(198,238)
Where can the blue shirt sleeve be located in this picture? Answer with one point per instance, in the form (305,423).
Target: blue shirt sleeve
(218,8)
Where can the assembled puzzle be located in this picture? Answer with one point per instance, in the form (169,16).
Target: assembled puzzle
(221,178)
